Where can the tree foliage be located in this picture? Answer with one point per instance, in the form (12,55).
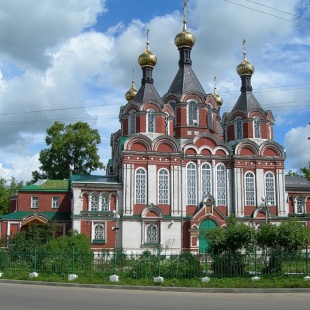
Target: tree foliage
(233,239)
(7,189)
(70,148)
(306,172)
(35,236)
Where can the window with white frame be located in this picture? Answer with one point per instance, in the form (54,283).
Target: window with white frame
(140,186)
(104,202)
(94,202)
(269,188)
(34,202)
(55,202)
(192,113)
(98,232)
(151,233)
(238,130)
(166,123)
(191,180)
(257,127)
(249,189)
(132,122)
(151,120)
(299,205)
(221,185)
(206,179)
(163,186)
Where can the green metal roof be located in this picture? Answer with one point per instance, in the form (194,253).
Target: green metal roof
(52,216)
(94,178)
(48,186)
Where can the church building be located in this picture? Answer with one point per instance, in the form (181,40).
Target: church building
(178,167)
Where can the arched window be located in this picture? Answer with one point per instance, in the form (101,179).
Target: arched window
(166,123)
(132,122)
(140,186)
(94,202)
(210,118)
(192,113)
(249,189)
(163,186)
(151,120)
(257,128)
(152,233)
(238,128)
(221,184)
(206,179)
(104,202)
(191,184)
(98,232)
(269,188)
(299,205)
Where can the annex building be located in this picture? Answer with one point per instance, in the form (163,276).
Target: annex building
(177,167)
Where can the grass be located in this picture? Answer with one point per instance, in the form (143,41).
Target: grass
(237,282)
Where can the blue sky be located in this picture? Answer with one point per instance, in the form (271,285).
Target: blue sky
(73,60)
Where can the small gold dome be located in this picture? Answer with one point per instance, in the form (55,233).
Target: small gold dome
(147,58)
(218,99)
(245,67)
(130,94)
(184,38)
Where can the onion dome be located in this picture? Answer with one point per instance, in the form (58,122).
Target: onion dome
(130,94)
(245,67)
(147,58)
(184,38)
(218,99)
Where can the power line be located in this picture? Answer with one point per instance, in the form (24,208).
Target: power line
(269,7)
(288,20)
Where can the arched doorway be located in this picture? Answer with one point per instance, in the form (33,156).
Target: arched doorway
(203,228)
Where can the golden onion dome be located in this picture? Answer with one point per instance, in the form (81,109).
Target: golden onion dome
(130,94)
(184,38)
(245,67)
(147,58)
(218,99)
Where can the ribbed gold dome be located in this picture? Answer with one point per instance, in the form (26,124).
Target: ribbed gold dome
(184,38)
(147,58)
(130,94)
(245,67)
(218,99)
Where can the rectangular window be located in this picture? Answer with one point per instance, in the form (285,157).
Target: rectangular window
(34,202)
(55,202)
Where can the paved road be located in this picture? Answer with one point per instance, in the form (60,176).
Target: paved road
(45,297)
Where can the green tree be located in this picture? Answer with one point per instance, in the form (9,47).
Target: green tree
(34,236)
(306,172)
(7,189)
(293,173)
(290,236)
(233,239)
(71,147)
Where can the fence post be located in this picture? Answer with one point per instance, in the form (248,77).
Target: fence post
(255,261)
(73,266)
(35,259)
(158,257)
(115,253)
(307,261)
(206,261)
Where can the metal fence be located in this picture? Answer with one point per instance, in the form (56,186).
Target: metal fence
(155,263)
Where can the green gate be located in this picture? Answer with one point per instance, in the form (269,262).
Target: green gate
(203,228)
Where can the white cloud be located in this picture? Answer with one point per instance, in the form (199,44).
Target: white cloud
(66,65)
(297,147)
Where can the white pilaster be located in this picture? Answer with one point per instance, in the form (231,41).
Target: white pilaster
(151,184)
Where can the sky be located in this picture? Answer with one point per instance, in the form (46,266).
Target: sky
(68,61)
